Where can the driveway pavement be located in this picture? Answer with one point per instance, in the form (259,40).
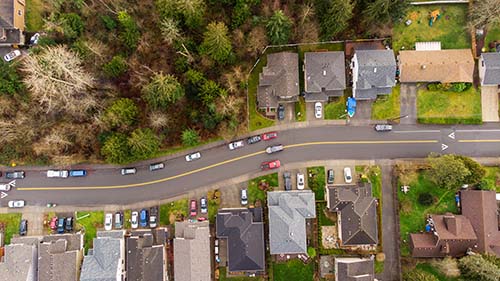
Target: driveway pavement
(35,222)
(310,112)
(408,96)
(489,103)
(289,113)
(363,113)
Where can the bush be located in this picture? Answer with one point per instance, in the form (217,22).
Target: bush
(122,113)
(458,87)
(311,252)
(109,22)
(10,82)
(116,67)
(475,267)
(432,87)
(129,33)
(190,137)
(425,199)
(72,25)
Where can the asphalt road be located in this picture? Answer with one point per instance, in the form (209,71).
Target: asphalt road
(108,186)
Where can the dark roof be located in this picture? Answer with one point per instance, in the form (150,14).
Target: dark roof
(492,68)
(324,72)
(358,213)
(279,80)
(245,238)
(145,259)
(480,207)
(9,34)
(376,73)
(60,257)
(354,269)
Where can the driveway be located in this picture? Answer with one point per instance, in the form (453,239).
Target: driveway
(289,113)
(35,222)
(408,96)
(363,112)
(489,103)
(310,111)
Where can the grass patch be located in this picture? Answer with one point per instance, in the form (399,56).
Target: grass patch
(387,106)
(323,220)
(169,211)
(293,270)
(10,223)
(316,181)
(379,266)
(255,193)
(492,34)
(127,216)
(300,110)
(436,272)
(440,107)
(213,204)
(223,276)
(34,19)
(336,109)
(492,177)
(450,29)
(91,222)
(412,213)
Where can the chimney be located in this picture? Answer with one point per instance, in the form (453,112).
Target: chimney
(452,223)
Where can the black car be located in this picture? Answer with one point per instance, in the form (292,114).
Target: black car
(254,139)
(23,227)
(14,175)
(69,224)
(330,176)
(281,112)
(288,180)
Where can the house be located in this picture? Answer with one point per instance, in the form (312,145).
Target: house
(443,66)
(60,257)
(278,82)
(12,22)
(354,269)
(489,69)
(480,207)
(288,211)
(19,263)
(356,210)
(146,255)
(373,73)
(324,75)
(192,251)
(448,235)
(244,231)
(106,261)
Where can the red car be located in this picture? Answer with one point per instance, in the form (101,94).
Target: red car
(274,164)
(53,223)
(193,209)
(269,136)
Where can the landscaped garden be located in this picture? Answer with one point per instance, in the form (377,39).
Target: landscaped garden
(171,211)
(450,29)
(293,270)
(10,223)
(257,193)
(316,181)
(387,107)
(90,222)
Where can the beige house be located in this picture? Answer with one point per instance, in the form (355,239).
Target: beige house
(12,22)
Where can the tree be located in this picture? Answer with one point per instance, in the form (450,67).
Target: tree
(477,172)
(484,13)
(419,275)
(190,137)
(158,120)
(216,43)
(10,82)
(382,11)
(425,199)
(278,28)
(143,143)
(115,149)
(335,16)
(72,25)
(447,171)
(190,12)
(210,91)
(256,40)
(170,30)
(122,113)
(116,67)
(162,91)
(475,267)
(129,31)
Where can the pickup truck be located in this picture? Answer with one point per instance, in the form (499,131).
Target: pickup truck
(57,173)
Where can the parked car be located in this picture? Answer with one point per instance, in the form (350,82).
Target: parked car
(53,223)
(61,223)
(69,224)
(153,217)
(193,209)
(236,144)
(244,197)
(269,136)
(77,173)
(347,175)
(330,176)
(108,221)
(134,220)
(143,218)
(318,110)
(118,220)
(383,128)
(128,171)
(268,165)
(156,166)
(15,175)
(287,176)
(16,203)
(203,205)
(281,112)
(12,55)
(6,186)
(300,181)
(274,148)
(193,156)
(23,227)
(34,39)
(254,139)
(57,173)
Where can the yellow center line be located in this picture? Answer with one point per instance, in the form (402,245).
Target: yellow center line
(217,164)
(492,140)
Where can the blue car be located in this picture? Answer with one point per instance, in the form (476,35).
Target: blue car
(61,224)
(77,173)
(351,106)
(143,218)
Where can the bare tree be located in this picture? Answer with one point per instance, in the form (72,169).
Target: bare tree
(257,40)
(485,12)
(170,30)
(158,120)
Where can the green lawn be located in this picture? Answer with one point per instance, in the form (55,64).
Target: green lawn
(300,110)
(379,266)
(436,272)
(492,34)
(169,211)
(34,11)
(337,108)
(450,29)
(323,220)
(412,214)
(223,277)
(10,223)
(317,182)
(443,107)
(91,222)
(492,174)
(387,107)
(255,193)
(293,270)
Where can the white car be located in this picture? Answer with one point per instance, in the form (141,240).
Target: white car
(347,175)
(12,55)
(300,181)
(236,144)
(16,204)
(34,39)
(194,156)
(108,221)
(318,110)
(134,220)
(57,173)
(7,186)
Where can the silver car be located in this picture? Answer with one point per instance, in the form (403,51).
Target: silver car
(193,156)
(318,110)
(16,204)
(383,128)
(274,148)
(236,144)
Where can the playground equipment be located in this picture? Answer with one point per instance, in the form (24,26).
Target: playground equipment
(434,16)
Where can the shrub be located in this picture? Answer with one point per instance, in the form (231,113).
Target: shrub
(475,267)
(10,82)
(311,252)
(458,87)
(425,199)
(116,149)
(129,33)
(109,22)
(432,87)
(116,67)
(72,25)
(122,113)
(190,137)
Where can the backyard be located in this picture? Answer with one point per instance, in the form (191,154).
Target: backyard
(446,107)
(449,29)
(387,107)
(492,34)
(223,277)
(293,270)
(170,211)
(90,222)
(10,223)
(255,193)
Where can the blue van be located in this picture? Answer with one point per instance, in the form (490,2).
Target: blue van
(77,173)
(143,218)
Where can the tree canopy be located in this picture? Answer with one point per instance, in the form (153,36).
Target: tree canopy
(279,28)
(216,43)
(452,171)
(475,267)
(162,90)
(334,16)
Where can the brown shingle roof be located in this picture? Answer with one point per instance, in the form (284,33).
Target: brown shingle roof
(445,66)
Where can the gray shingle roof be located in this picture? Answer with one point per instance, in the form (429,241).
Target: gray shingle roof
(288,211)
(104,261)
(145,259)
(376,73)
(324,74)
(245,235)
(19,263)
(279,80)
(354,269)
(492,68)
(60,257)
(10,34)
(358,213)
(192,251)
